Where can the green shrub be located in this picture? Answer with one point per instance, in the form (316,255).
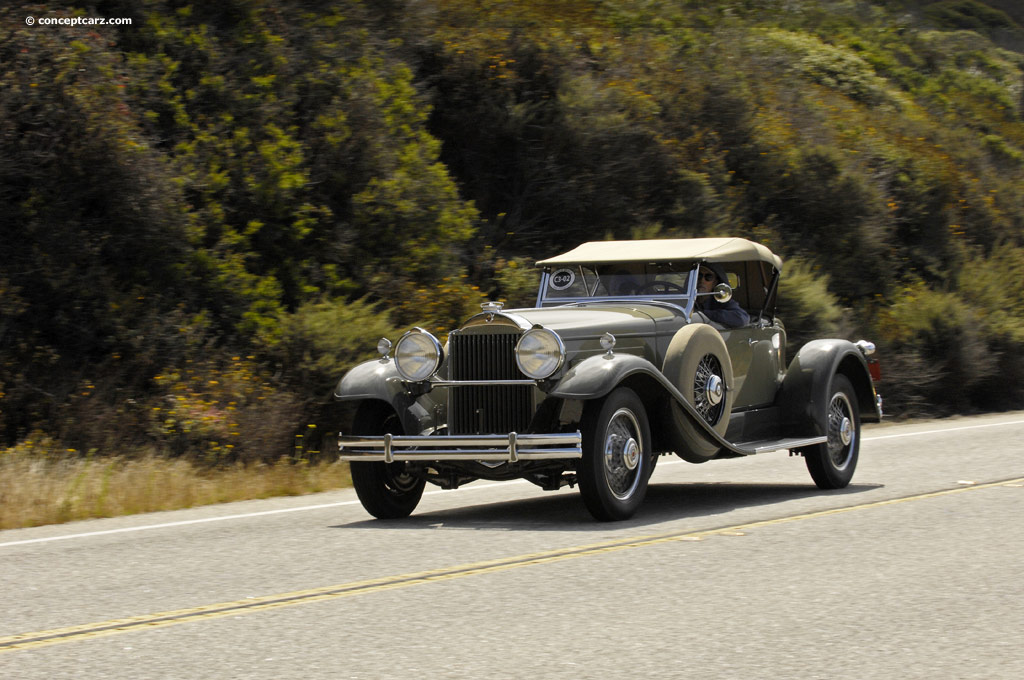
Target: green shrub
(322,340)
(970,15)
(835,67)
(517,281)
(943,342)
(806,306)
(1003,152)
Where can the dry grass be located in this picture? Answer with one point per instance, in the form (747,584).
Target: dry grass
(38,490)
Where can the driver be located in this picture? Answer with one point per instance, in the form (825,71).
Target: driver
(729,314)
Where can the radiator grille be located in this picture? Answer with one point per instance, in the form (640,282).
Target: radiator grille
(487,410)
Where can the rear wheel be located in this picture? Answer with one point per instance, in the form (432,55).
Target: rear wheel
(617,458)
(832,464)
(386,490)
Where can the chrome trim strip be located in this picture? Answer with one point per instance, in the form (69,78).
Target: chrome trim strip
(496,455)
(621,299)
(479,383)
(780,444)
(459,440)
(634,302)
(510,448)
(691,285)
(485,318)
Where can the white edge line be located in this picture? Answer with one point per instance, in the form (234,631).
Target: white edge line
(204,520)
(322,506)
(944,429)
(175,524)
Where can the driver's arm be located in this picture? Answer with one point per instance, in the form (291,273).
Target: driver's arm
(729,314)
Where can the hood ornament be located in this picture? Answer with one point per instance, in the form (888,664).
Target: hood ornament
(491,308)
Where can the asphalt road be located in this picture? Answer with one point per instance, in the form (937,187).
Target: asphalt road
(733,569)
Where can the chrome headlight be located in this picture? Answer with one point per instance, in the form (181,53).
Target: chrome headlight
(418,355)
(539,353)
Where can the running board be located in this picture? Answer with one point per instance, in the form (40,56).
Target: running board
(766,445)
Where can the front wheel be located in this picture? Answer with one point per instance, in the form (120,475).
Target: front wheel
(832,464)
(617,458)
(386,490)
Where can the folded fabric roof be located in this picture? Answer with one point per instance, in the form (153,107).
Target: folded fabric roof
(666,250)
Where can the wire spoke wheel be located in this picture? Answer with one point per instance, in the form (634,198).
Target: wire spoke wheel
(623,448)
(841,435)
(617,460)
(697,362)
(833,462)
(709,389)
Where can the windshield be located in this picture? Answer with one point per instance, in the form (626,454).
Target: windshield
(630,279)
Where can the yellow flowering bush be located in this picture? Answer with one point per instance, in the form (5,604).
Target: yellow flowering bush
(223,411)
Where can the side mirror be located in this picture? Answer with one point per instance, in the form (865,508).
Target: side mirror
(723,292)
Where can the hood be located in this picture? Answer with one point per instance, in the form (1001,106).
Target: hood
(578,322)
(636,326)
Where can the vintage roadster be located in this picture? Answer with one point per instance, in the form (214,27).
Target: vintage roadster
(634,349)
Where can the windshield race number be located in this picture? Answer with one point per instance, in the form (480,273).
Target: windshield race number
(562,279)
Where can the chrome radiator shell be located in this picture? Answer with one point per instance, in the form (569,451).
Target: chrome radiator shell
(487,409)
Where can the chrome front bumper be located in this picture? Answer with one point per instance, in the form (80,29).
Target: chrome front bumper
(507,448)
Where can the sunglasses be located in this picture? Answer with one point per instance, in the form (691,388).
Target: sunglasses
(708,276)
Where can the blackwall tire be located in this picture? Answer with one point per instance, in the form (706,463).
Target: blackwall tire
(386,490)
(697,352)
(833,463)
(617,460)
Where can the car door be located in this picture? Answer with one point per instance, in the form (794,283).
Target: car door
(755,352)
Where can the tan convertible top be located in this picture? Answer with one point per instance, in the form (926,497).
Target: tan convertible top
(666,250)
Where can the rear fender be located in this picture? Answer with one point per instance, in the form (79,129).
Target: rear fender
(804,396)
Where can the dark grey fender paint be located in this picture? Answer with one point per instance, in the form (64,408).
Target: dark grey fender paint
(595,377)
(804,395)
(379,380)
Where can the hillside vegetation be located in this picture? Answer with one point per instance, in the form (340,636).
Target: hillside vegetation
(208,215)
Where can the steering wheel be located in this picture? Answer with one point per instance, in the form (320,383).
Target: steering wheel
(666,286)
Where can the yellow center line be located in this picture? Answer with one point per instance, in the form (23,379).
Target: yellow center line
(255,604)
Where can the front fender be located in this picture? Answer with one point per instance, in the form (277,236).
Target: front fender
(804,395)
(596,376)
(379,381)
(370,380)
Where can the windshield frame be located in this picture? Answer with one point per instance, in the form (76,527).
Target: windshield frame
(591,278)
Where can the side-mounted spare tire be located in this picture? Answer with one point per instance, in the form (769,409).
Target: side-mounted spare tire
(697,363)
